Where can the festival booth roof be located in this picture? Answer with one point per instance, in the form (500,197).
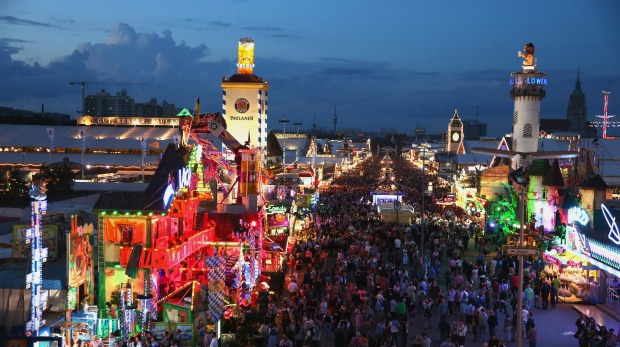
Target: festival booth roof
(152,198)
(187,297)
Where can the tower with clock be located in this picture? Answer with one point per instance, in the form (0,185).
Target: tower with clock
(455,134)
(244,103)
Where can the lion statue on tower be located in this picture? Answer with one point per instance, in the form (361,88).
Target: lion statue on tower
(528,55)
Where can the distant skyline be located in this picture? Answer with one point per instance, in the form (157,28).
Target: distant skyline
(395,64)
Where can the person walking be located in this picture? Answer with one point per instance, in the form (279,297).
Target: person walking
(492,322)
(532,335)
(545,291)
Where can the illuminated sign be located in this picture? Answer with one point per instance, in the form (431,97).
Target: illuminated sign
(242,105)
(579,215)
(245,56)
(614,233)
(185,177)
(241,117)
(292,136)
(143,121)
(529,80)
(277,209)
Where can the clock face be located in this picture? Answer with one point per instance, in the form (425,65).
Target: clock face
(456,136)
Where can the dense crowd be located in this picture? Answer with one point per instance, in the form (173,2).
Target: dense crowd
(358,281)
(362,282)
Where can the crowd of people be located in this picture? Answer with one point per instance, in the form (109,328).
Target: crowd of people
(360,281)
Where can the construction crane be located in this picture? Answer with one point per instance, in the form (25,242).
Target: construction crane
(83,85)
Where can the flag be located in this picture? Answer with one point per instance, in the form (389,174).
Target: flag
(154,144)
(83,137)
(143,145)
(197,107)
(50,134)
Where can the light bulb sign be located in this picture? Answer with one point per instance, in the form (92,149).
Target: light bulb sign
(614,233)
(578,215)
(529,80)
(277,209)
(34,278)
(183,179)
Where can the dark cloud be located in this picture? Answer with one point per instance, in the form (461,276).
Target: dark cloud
(285,36)
(18,21)
(10,40)
(266,29)
(219,24)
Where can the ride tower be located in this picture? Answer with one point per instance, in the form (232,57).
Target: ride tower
(527,92)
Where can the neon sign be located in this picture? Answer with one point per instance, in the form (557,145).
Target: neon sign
(529,80)
(579,215)
(614,233)
(185,177)
(184,180)
(277,209)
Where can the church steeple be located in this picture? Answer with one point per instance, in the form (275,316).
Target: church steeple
(576,112)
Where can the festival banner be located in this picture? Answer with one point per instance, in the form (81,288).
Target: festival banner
(216,277)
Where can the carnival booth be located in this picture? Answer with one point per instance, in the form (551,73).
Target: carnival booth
(279,217)
(186,310)
(571,264)
(578,278)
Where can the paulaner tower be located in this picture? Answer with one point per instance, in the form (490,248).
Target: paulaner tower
(527,92)
(244,100)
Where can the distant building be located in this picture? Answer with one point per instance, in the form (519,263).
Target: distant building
(103,104)
(455,135)
(152,109)
(474,130)
(576,120)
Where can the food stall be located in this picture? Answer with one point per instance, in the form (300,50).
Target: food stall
(279,217)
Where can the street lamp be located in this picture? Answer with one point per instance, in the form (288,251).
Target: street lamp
(284,121)
(423,194)
(297,125)
(520,177)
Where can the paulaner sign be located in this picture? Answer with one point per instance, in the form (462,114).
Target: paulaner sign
(136,121)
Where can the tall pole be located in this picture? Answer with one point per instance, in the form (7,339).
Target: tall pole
(284,121)
(423,193)
(297,124)
(520,288)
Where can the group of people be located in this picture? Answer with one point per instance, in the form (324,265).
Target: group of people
(360,281)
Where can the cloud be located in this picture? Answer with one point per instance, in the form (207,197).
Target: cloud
(18,21)
(368,94)
(219,24)
(265,28)
(285,36)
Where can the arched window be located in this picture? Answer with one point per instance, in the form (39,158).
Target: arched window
(515,118)
(527,130)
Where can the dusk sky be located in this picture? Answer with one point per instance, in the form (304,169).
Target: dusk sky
(384,64)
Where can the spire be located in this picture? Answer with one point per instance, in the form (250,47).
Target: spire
(335,118)
(578,83)
(314,120)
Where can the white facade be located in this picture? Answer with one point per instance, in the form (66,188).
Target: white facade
(245,109)
(527,92)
